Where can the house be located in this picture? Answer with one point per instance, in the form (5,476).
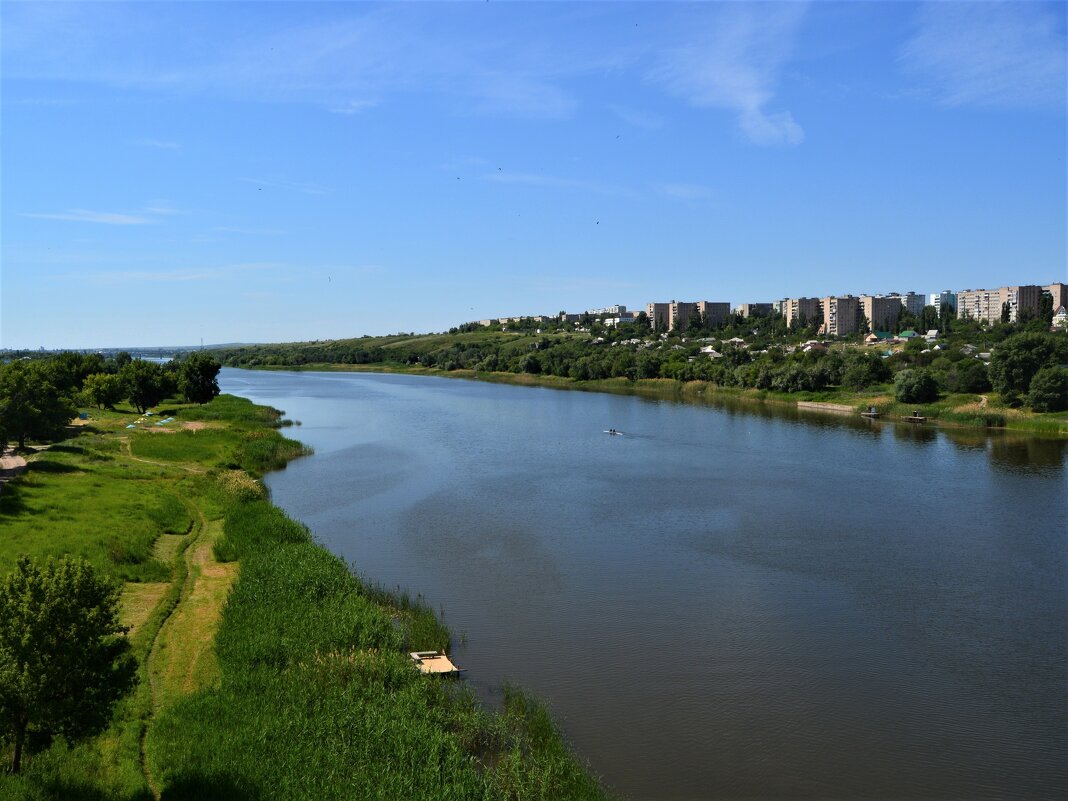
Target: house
(908,334)
(931,335)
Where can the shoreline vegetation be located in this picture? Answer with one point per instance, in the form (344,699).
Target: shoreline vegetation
(966,410)
(1005,376)
(267,667)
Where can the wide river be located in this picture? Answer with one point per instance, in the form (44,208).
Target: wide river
(724,602)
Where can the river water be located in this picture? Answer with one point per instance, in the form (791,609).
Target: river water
(722,603)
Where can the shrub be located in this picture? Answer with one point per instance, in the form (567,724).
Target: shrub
(1049,390)
(915,386)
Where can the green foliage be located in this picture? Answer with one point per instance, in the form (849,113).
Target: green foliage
(198,377)
(1015,361)
(145,384)
(915,386)
(31,407)
(63,664)
(1049,390)
(967,375)
(103,390)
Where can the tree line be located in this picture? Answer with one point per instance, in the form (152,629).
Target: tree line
(39,397)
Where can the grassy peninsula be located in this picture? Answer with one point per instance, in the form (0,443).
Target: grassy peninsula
(268,670)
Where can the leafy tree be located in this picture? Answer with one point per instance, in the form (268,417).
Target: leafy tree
(198,372)
(63,661)
(145,384)
(1049,390)
(915,386)
(30,404)
(967,375)
(103,390)
(1016,360)
(863,370)
(122,358)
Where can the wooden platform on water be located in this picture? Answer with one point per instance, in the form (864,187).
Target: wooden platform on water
(434,662)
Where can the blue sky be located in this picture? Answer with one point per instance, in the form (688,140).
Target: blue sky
(275,171)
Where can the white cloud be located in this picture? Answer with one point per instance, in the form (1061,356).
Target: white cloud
(231,229)
(732,62)
(84,215)
(1008,55)
(555,182)
(158,144)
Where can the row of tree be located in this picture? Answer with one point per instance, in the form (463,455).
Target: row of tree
(39,397)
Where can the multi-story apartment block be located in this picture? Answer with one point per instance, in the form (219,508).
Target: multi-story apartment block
(841,315)
(881,311)
(1024,301)
(913,302)
(943,298)
(779,307)
(1060,295)
(659,315)
(714,314)
(987,304)
(980,304)
(808,310)
(609,311)
(748,310)
(676,314)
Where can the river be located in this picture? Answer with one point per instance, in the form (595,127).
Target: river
(726,602)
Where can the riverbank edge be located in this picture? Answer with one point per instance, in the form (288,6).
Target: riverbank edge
(937,414)
(68,769)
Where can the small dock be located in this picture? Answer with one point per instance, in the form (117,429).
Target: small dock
(434,662)
(915,418)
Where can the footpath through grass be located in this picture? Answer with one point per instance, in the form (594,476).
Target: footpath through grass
(268,671)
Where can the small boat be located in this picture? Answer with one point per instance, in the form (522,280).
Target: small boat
(613,432)
(434,662)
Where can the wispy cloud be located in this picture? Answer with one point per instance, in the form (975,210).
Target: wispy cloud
(732,61)
(233,229)
(293,186)
(181,275)
(637,117)
(556,182)
(684,191)
(84,215)
(352,107)
(1009,55)
(158,144)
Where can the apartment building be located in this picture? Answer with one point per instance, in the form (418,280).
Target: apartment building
(881,311)
(806,309)
(943,298)
(987,304)
(913,302)
(779,307)
(608,311)
(1060,295)
(676,314)
(748,310)
(841,315)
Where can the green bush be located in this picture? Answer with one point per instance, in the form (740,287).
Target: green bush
(1049,390)
(915,386)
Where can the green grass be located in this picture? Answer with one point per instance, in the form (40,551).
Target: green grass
(314,695)
(318,699)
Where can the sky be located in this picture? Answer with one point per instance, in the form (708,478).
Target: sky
(265,172)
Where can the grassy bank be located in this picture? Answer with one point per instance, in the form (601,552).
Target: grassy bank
(957,410)
(267,670)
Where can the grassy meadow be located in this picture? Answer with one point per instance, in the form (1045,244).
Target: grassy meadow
(268,670)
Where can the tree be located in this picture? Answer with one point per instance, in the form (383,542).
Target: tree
(64,659)
(1049,390)
(967,375)
(1016,360)
(103,390)
(197,377)
(30,404)
(915,386)
(145,384)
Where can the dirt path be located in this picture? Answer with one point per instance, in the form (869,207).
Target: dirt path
(11,464)
(182,659)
